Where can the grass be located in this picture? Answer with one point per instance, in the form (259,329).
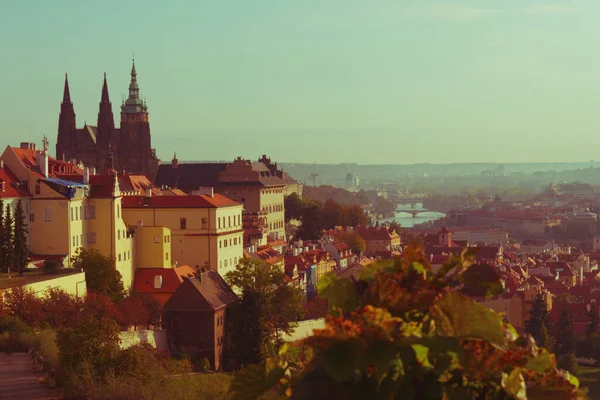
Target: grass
(590,377)
(209,386)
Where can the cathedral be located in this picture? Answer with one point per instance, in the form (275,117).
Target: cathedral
(103,146)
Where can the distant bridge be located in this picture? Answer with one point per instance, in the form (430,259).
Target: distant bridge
(413,211)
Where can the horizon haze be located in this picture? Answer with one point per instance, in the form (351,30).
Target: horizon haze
(379,82)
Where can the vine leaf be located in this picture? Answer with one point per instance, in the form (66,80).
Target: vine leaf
(339,293)
(457,315)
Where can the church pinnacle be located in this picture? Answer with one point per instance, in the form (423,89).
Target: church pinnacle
(104,98)
(67,93)
(133,104)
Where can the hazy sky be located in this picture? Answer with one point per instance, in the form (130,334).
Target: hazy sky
(367,81)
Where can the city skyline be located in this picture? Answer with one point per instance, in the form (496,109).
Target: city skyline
(424,81)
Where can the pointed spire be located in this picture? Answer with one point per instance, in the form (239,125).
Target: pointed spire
(104,98)
(133,73)
(67,93)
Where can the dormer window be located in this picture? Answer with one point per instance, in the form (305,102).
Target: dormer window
(3,186)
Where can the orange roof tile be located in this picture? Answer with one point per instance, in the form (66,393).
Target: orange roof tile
(200,201)
(11,189)
(143,281)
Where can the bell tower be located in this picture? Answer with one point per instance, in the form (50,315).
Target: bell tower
(135,153)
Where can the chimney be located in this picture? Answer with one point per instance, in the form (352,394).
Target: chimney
(207,191)
(86,176)
(42,162)
(149,192)
(1,164)
(158,282)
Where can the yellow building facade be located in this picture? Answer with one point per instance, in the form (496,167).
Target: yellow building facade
(206,231)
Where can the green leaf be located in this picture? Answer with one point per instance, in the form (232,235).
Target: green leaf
(542,363)
(369,272)
(340,293)
(514,384)
(481,280)
(421,354)
(457,315)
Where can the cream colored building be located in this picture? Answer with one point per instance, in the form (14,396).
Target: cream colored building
(206,231)
(67,212)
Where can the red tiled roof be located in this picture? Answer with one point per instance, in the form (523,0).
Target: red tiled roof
(143,281)
(201,201)
(56,168)
(11,190)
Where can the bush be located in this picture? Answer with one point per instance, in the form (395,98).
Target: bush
(11,324)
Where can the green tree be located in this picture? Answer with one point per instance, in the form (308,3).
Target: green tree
(354,240)
(91,345)
(564,342)
(384,206)
(355,215)
(293,207)
(332,214)
(275,305)
(8,238)
(401,331)
(21,250)
(312,221)
(592,327)
(538,319)
(101,275)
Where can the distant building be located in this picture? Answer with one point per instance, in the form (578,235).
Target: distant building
(259,186)
(130,144)
(352,182)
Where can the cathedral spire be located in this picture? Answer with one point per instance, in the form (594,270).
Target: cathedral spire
(67,93)
(104,98)
(134,104)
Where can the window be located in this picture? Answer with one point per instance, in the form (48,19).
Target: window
(81,212)
(229,220)
(31,217)
(167,256)
(91,237)
(204,223)
(182,223)
(119,234)
(219,221)
(74,241)
(220,244)
(119,256)
(91,213)
(118,211)
(81,239)
(37,189)
(71,208)
(175,324)
(225,243)
(225,263)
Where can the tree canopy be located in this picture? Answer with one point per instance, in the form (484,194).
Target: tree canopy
(401,331)
(101,275)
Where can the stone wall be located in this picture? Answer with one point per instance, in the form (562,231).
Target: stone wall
(156,339)
(305,329)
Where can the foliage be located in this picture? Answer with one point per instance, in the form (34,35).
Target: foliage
(293,207)
(333,214)
(564,342)
(384,206)
(21,249)
(22,302)
(99,307)
(101,275)
(60,310)
(353,239)
(268,308)
(91,345)
(538,320)
(402,331)
(8,239)
(355,216)
(312,220)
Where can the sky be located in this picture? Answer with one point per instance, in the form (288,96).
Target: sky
(324,81)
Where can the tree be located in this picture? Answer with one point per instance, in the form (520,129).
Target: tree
(538,317)
(101,275)
(312,221)
(21,250)
(401,331)
(61,309)
(564,342)
(8,239)
(354,240)
(384,206)
(592,327)
(139,310)
(100,306)
(91,345)
(333,214)
(355,216)
(22,302)
(293,207)
(268,306)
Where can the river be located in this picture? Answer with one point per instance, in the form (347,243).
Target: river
(406,220)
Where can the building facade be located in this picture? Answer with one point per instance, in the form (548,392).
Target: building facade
(91,145)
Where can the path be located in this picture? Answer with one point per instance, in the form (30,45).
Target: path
(18,380)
